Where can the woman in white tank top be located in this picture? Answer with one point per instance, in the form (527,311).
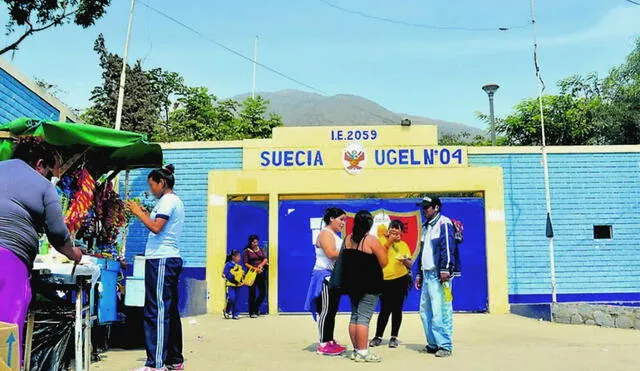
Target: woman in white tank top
(322,300)
(322,260)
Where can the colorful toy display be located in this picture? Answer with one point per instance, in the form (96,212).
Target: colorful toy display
(82,201)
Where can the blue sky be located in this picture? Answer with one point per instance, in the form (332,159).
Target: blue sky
(433,73)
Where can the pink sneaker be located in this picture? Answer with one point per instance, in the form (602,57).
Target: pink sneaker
(338,346)
(329,350)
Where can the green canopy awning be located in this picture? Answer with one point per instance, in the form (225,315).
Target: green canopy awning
(108,148)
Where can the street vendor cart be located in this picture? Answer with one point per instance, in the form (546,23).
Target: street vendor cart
(91,157)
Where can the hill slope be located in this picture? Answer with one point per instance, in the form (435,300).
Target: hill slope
(299,108)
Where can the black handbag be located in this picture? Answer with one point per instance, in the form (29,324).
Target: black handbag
(335,282)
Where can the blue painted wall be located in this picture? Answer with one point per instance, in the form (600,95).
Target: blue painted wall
(586,189)
(16,100)
(192,169)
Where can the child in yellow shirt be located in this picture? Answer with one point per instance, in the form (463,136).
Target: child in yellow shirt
(233,273)
(396,282)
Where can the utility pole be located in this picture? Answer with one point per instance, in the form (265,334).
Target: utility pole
(545,160)
(123,74)
(255,61)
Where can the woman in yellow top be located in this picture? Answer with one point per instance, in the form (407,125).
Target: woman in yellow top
(396,282)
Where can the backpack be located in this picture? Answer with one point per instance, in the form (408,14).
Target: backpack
(458,228)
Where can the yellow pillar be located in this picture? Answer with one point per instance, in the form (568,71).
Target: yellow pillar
(273,253)
(216,248)
(496,243)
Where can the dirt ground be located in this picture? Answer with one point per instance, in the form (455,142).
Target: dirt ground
(481,342)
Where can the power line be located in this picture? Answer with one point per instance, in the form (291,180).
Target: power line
(418,25)
(237,53)
(633,2)
(230,50)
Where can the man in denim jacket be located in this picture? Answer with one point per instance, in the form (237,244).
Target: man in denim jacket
(437,264)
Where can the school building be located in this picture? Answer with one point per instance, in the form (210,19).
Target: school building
(278,188)
(22,97)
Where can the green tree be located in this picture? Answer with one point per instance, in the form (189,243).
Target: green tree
(568,121)
(587,110)
(52,89)
(27,17)
(200,116)
(465,138)
(195,118)
(159,104)
(254,121)
(622,90)
(165,87)
(145,95)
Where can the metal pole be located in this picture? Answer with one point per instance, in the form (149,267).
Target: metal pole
(545,162)
(255,59)
(78,328)
(493,120)
(124,69)
(123,248)
(87,337)
(31,319)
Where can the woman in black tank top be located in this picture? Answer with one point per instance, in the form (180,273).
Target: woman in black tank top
(362,271)
(362,262)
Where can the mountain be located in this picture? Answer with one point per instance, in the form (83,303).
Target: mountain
(299,108)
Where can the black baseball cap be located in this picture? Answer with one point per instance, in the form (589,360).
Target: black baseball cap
(429,201)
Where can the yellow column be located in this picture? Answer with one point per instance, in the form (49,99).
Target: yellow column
(216,248)
(497,276)
(273,253)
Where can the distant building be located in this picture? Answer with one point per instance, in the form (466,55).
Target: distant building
(20,96)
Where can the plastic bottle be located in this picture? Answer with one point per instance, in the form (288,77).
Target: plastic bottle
(44,246)
(446,287)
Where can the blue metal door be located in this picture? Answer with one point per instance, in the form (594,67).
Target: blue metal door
(300,218)
(245,218)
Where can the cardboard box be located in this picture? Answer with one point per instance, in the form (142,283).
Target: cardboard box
(9,347)
(4,367)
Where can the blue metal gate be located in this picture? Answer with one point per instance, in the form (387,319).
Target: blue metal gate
(299,218)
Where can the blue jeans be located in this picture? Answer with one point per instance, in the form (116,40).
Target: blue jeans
(436,313)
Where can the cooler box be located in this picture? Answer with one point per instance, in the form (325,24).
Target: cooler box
(9,347)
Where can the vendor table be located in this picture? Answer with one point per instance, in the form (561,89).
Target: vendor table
(81,283)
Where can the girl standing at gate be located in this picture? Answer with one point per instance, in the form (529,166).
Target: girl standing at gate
(396,283)
(233,273)
(163,266)
(322,299)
